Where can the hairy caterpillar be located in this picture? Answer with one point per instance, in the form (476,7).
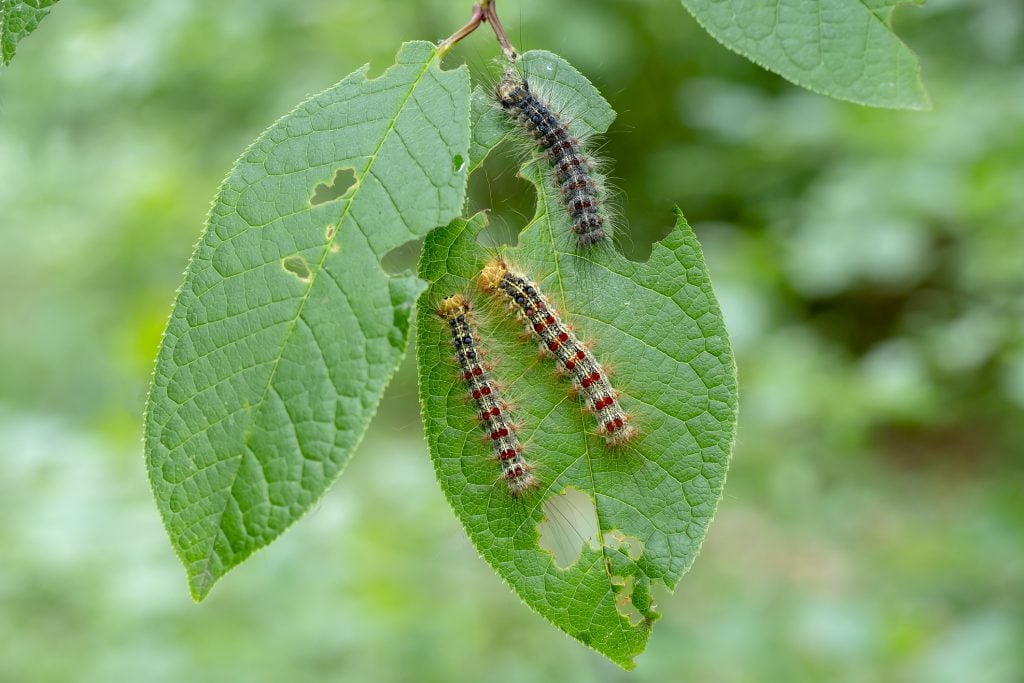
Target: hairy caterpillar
(572,356)
(492,410)
(581,193)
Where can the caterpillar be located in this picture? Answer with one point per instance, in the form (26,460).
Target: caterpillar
(573,356)
(493,411)
(580,192)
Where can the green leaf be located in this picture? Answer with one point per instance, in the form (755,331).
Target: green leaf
(841,48)
(658,324)
(18,18)
(287,329)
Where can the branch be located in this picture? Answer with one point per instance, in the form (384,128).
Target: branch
(483,11)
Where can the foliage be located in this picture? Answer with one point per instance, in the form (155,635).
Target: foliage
(841,48)
(18,18)
(867,262)
(659,323)
(287,328)
(660,490)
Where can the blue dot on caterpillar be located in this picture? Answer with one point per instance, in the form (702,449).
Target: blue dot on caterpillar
(581,194)
(572,355)
(491,408)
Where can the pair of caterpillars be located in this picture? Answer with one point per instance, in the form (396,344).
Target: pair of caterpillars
(571,355)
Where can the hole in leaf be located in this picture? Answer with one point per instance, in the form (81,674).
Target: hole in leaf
(403,257)
(631,545)
(570,521)
(458,163)
(297,266)
(624,600)
(343,180)
(509,200)
(329,232)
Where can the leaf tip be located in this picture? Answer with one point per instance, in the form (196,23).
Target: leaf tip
(924,99)
(199,585)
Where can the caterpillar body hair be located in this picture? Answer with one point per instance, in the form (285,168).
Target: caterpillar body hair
(572,355)
(492,410)
(581,193)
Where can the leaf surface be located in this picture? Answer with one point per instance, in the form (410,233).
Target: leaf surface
(659,326)
(18,18)
(287,329)
(841,48)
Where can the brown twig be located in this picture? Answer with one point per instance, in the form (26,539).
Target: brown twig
(474,22)
(483,11)
(491,16)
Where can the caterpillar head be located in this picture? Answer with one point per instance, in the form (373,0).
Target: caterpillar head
(453,306)
(511,89)
(492,274)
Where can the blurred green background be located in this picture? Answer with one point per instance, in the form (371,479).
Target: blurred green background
(871,268)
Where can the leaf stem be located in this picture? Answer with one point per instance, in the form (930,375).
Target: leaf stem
(477,18)
(491,16)
(483,11)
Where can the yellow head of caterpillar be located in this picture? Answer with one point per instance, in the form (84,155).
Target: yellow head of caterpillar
(492,273)
(511,89)
(506,86)
(453,306)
